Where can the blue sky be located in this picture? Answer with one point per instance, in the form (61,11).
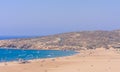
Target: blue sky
(44,17)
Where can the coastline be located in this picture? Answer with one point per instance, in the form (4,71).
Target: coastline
(36,54)
(36,59)
(98,60)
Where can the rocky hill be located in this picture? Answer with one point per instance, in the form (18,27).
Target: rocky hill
(71,41)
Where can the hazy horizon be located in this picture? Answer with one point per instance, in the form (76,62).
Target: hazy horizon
(26,36)
(39,18)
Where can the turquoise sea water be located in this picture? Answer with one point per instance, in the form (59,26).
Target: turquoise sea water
(7,55)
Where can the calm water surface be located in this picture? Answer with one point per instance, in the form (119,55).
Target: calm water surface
(16,54)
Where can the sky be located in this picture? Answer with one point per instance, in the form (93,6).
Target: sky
(46,17)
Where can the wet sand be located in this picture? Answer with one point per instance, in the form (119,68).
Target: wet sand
(99,60)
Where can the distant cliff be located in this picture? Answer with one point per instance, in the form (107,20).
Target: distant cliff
(71,41)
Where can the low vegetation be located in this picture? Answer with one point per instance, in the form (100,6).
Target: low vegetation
(70,41)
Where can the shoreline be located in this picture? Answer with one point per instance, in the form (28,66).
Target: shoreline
(14,63)
(37,59)
(98,60)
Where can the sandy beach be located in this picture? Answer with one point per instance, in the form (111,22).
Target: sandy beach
(98,60)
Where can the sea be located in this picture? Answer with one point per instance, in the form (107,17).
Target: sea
(10,54)
(15,37)
(16,54)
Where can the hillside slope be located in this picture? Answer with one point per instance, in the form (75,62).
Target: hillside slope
(72,40)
